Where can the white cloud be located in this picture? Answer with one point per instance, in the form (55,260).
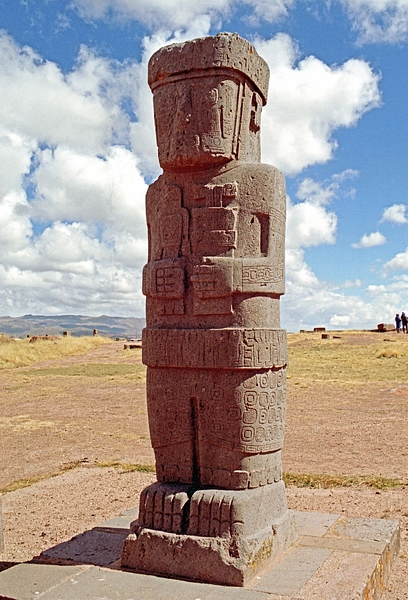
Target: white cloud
(305,307)
(309,223)
(340,320)
(40,103)
(398,263)
(75,187)
(71,190)
(15,225)
(348,284)
(157,14)
(395,214)
(15,160)
(375,20)
(269,10)
(68,247)
(174,14)
(298,272)
(319,194)
(369,240)
(308,101)
(55,292)
(379,20)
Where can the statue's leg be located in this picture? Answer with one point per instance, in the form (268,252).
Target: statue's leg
(239,436)
(239,428)
(170,422)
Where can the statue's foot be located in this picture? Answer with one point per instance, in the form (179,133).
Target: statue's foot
(163,506)
(210,513)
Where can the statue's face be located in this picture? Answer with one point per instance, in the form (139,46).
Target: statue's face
(197,121)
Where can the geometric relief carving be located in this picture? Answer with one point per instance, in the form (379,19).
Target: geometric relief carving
(253,419)
(215,348)
(213,230)
(212,280)
(216,105)
(216,195)
(173,224)
(212,285)
(164,279)
(260,275)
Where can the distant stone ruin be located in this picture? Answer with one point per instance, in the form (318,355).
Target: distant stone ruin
(215,354)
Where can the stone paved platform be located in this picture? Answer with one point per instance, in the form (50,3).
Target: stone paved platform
(335,558)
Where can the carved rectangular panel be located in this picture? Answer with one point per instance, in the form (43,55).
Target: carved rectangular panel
(215,348)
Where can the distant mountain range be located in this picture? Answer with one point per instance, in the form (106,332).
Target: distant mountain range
(77,325)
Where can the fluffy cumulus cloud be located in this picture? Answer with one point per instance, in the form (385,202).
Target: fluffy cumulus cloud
(309,302)
(374,20)
(309,223)
(173,14)
(379,20)
(71,189)
(398,263)
(167,15)
(40,104)
(74,162)
(395,214)
(369,240)
(77,187)
(308,101)
(269,10)
(322,305)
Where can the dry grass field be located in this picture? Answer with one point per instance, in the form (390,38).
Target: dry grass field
(76,407)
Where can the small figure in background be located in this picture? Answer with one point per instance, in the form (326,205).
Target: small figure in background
(404,322)
(397,322)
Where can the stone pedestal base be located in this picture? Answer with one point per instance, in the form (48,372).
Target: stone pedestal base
(227,538)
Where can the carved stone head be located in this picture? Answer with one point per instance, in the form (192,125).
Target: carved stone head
(208,95)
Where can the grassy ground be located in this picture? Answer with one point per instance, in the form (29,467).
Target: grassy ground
(66,402)
(350,357)
(21,353)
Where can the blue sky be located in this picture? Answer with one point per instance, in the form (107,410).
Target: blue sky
(77,149)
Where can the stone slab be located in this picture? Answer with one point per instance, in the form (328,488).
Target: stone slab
(91,547)
(341,544)
(293,571)
(345,576)
(314,523)
(98,584)
(378,530)
(336,558)
(116,524)
(27,581)
(131,512)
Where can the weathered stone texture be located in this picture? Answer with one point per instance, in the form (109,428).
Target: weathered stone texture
(1,527)
(216,356)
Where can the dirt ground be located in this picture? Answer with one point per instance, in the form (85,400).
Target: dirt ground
(60,413)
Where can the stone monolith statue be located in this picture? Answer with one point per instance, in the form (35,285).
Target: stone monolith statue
(213,346)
